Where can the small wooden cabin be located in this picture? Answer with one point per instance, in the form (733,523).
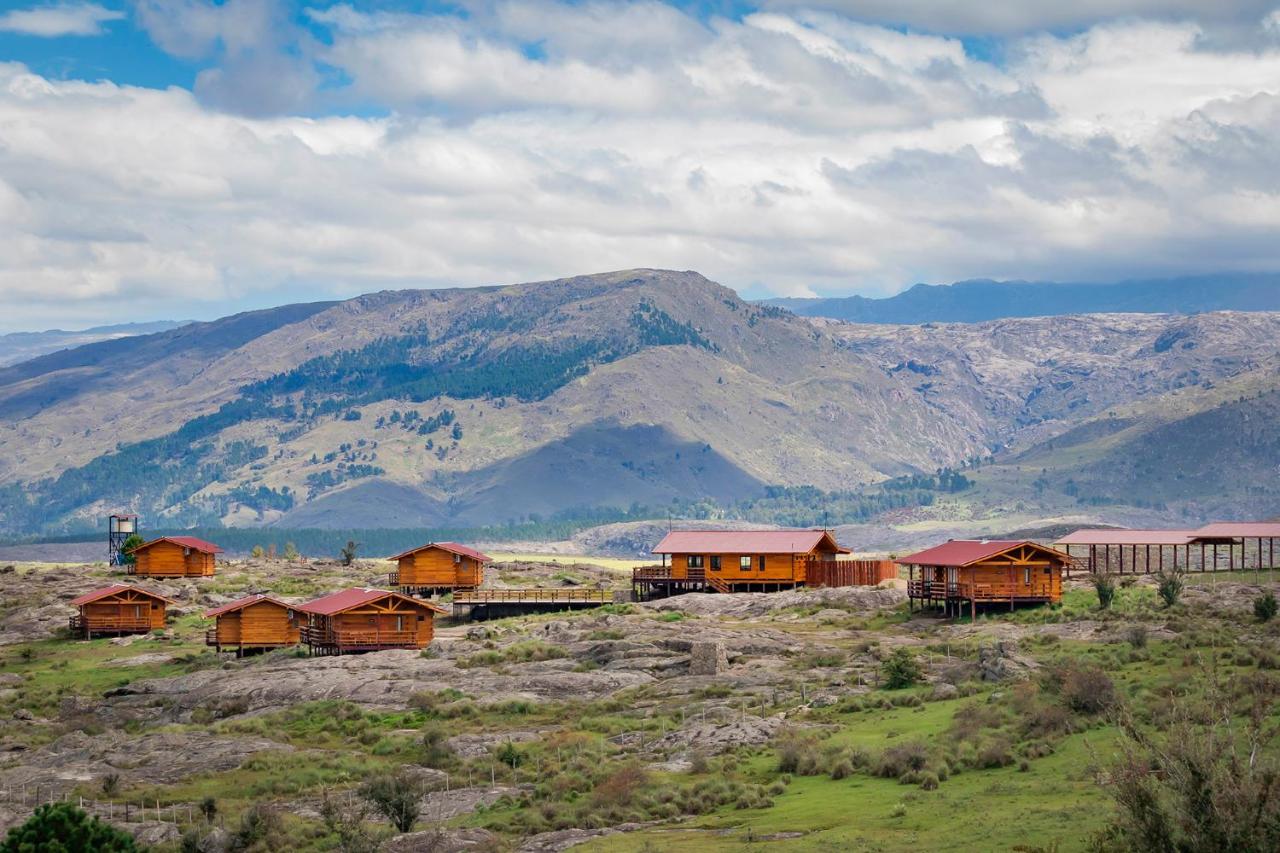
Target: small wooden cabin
(118,609)
(174,557)
(252,623)
(364,620)
(984,571)
(439,566)
(745,560)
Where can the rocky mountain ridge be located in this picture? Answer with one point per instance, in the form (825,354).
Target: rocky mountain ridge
(634,388)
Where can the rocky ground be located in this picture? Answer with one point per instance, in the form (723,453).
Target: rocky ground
(502,722)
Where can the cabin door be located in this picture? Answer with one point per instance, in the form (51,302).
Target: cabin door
(953,577)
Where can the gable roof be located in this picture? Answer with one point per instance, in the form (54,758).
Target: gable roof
(964,552)
(1238,529)
(355,596)
(90,597)
(185,541)
(451,547)
(1113,536)
(746,542)
(242,603)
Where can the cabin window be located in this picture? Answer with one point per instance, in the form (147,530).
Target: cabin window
(694,561)
(715,563)
(744,563)
(457,558)
(1026,580)
(762,562)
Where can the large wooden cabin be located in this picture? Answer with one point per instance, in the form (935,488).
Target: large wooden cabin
(443,566)
(118,609)
(364,620)
(743,560)
(174,557)
(970,572)
(252,623)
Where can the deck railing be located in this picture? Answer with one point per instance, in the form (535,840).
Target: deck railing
(979,590)
(79,623)
(667,573)
(358,637)
(533,595)
(393,578)
(211,637)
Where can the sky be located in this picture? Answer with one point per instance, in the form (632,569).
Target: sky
(174,159)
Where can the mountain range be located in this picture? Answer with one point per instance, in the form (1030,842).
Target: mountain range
(22,346)
(631,391)
(977,301)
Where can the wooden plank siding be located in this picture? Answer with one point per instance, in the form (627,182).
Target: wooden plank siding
(390,622)
(729,569)
(1011,573)
(437,568)
(126,612)
(262,625)
(166,559)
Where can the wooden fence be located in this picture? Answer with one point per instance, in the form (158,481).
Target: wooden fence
(820,573)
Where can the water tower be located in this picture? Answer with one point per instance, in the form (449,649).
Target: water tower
(119,528)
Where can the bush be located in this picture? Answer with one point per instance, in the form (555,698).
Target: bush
(896,761)
(62,826)
(1169,584)
(1199,787)
(1137,636)
(1105,587)
(900,669)
(798,753)
(395,796)
(260,828)
(1264,607)
(1088,690)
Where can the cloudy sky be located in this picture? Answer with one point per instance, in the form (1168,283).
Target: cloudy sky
(188,158)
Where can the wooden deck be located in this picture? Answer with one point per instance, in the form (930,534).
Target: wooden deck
(952,597)
(104,625)
(484,603)
(337,641)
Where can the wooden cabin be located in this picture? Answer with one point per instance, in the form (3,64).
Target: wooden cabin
(439,566)
(969,572)
(174,557)
(745,560)
(118,609)
(365,620)
(252,623)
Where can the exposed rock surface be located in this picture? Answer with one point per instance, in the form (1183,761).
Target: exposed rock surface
(750,605)
(707,658)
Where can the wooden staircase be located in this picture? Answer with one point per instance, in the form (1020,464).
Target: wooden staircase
(718,584)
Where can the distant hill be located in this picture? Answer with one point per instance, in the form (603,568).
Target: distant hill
(605,397)
(977,301)
(21,346)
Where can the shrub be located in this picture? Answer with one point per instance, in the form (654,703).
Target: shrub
(1264,607)
(209,808)
(900,669)
(1105,587)
(904,758)
(1169,584)
(291,552)
(62,826)
(798,753)
(259,825)
(1088,690)
(395,796)
(348,552)
(1198,787)
(110,784)
(1137,636)
(929,781)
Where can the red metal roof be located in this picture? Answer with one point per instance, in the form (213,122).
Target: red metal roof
(962,552)
(185,541)
(451,547)
(354,597)
(745,542)
(90,597)
(241,603)
(1238,529)
(1090,536)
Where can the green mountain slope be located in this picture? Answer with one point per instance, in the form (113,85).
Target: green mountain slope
(478,406)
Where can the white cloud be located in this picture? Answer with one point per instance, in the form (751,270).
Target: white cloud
(61,19)
(1022,16)
(783,152)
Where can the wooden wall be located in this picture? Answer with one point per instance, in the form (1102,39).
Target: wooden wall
(105,613)
(777,568)
(263,623)
(385,616)
(435,567)
(166,559)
